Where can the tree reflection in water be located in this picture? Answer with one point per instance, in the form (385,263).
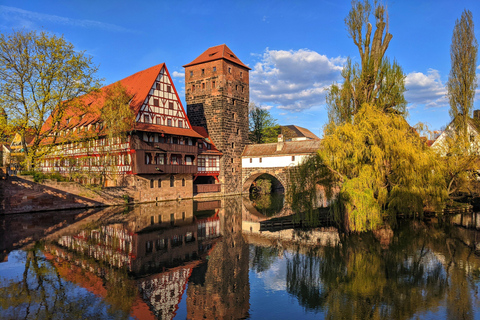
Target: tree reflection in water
(360,280)
(42,293)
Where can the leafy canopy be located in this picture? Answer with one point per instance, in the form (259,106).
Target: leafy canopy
(386,169)
(40,74)
(375,80)
(263,128)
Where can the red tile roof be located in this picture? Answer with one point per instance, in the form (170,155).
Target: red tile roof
(166,129)
(137,85)
(203,132)
(289,148)
(301,132)
(216,53)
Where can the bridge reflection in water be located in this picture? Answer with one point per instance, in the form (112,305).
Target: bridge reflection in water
(193,260)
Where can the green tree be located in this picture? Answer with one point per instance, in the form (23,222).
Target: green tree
(375,80)
(462,80)
(263,128)
(40,74)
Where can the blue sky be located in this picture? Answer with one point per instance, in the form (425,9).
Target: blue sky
(296,49)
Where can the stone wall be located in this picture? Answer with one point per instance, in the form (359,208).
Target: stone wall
(218,100)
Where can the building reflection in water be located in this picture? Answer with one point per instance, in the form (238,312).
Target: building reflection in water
(163,247)
(219,288)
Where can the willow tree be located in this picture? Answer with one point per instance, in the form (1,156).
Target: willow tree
(462,80)
(375,79)
(386,170)
(40,74)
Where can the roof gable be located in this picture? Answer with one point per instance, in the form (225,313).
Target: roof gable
(217,53)
(144,87)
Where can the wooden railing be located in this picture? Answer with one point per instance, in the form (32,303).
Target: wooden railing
(204,188)
(165,168)
(206,205)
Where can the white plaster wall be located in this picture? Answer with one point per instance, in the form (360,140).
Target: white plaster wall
(272,161)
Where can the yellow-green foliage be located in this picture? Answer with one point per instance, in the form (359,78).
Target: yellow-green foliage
(386,169)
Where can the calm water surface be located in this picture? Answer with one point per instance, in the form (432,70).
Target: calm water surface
(206,260)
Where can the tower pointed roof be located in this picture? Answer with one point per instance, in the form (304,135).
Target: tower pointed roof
(217,53)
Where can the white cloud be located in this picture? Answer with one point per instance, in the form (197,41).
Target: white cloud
(426,89)
(177,74)
(293,80)
(12,13)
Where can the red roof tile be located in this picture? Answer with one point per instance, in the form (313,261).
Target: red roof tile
(166,129)
(137,85)
(203,132)
(301,132)
(216,53)
(289,147)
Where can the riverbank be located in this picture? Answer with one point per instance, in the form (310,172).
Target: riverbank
(20,194)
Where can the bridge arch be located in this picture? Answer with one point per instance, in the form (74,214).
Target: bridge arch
(250,176)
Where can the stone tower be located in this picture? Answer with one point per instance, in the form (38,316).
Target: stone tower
(217,96)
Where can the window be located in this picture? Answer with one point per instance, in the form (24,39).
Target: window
(242,88)
(169,88)
(260,160)
(203,72)
(250,160)
(233,145)
(170,105)
(159,185)
(159,158)
(201,162)
(229,70)
(193,88)
(214,69)
(151,186)
(146,118)
(236,87)
(157,86)
(241,74)
(183,213)
(293,158)
(203,85)
(213,84)
(212,162)
(155,102)
(188,160)
(149,246)
(191,73)
(200,145)
(172,184)
(169,122)
(238,131)
(183,185)
(174,159)
(180,123)
(148,158)
(158,120)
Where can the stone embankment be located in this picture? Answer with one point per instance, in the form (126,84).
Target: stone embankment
(21,194)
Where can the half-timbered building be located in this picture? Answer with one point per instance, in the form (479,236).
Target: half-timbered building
(158,154)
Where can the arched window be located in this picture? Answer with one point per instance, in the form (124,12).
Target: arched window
(172,181)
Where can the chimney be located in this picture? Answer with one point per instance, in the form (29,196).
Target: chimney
(476,114)
(280,142)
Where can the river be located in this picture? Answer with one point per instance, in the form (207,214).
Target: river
(208,260)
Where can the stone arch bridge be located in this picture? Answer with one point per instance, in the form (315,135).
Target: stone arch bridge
(274,159)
